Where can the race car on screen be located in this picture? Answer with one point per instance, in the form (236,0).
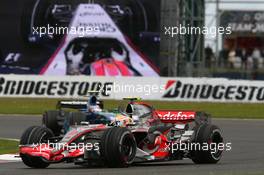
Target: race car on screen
(98,56)
(138,134)
(102,51)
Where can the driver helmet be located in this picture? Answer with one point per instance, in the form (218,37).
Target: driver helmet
(130,112)
(92,105)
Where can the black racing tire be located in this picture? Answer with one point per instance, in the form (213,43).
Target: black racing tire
(118,147)
(35,135)
(33,15)
(36,13)
(53,121)
(75,118)
(207,134)
(202,118)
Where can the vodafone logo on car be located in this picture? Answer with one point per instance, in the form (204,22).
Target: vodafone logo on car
(176,115)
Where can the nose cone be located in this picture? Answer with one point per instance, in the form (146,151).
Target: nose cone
(43,150)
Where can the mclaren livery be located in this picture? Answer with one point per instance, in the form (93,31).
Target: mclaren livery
(137,133)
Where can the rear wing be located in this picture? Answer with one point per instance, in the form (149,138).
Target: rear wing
(80,104)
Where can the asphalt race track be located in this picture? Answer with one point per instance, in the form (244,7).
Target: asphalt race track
(246,156)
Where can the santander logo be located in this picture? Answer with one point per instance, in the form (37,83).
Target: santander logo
(176,115)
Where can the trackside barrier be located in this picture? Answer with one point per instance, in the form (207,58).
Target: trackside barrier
(149,88)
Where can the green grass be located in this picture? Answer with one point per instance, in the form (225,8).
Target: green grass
(223,110)
(8,146)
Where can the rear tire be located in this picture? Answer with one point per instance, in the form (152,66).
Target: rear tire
(75,118)
(202,118)
(35,135)
(53,121)
(118,147)
(207,134)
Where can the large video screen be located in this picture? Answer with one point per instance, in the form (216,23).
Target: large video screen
(79,37)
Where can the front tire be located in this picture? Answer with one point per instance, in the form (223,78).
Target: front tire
(35,135)
(118,147)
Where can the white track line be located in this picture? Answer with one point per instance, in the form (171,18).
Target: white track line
(9,139)
(5,158)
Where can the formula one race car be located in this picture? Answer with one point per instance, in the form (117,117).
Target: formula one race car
(90,110)
(138,134)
